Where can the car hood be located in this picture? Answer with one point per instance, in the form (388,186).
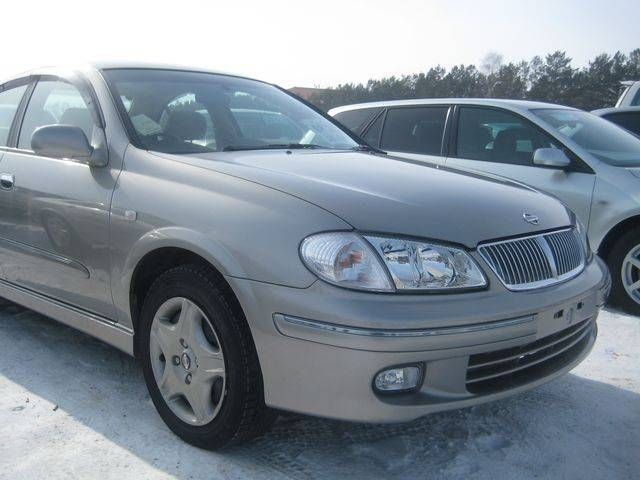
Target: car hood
(378,193)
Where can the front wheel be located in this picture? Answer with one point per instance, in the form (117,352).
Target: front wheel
(199,360)
(624,264)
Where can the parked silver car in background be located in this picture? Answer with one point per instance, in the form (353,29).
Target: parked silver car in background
(630,96)
(625,117)
(590,164)
(253,254)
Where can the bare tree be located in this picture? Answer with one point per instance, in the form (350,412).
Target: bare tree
(491,63)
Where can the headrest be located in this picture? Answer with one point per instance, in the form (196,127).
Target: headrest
(506,140)
(186,125)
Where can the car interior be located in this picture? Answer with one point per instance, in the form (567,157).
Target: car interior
(495,137)
(185,119)
(418,130)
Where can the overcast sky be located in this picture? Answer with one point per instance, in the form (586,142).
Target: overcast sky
(319,43)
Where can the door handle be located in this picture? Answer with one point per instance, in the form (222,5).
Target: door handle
(6,181)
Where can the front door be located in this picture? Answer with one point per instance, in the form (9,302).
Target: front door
(501,142)
(57,241)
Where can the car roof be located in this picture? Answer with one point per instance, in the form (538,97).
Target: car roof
(604,111)
(492,102)
(106,65)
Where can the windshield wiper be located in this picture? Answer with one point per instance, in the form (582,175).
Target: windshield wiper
(367,148)
(273,146)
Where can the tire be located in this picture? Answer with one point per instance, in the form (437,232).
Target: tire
(239,412)
(620,298)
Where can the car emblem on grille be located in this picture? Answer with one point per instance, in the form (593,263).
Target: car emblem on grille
(530,218)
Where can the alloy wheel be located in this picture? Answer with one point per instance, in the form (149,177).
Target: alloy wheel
(187,361)
(631,273)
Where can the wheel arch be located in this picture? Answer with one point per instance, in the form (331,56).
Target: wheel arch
(161,250)
(614,234)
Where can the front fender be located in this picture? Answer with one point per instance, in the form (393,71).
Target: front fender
(169,237)
(616,199)
(180,237)
(243,229)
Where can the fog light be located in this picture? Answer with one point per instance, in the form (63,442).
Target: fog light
(398,379)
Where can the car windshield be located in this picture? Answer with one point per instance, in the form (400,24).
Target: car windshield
(191,112)
(603,139)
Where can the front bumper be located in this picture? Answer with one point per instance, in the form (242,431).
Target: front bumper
(321,347)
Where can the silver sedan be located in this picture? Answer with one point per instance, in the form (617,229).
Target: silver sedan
(256,256)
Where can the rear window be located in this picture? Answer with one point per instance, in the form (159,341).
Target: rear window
(414,130)
(356,120)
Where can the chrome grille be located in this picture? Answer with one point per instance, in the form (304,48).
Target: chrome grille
(535,261)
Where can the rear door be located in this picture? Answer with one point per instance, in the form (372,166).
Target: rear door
(415,132)
(56,234)
(501,142)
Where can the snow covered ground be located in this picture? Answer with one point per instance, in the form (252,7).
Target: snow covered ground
(72,407)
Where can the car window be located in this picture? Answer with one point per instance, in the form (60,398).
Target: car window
(9,101)
(356,120)
(273,127)
(372,135)
(601,138)
(414,130)
(493,135)
(636,99)
(54,102)
(628,120)
(216,113)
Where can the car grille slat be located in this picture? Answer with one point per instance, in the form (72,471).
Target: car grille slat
(536,267)
(517,260)
(542,267)
(555,250)
(530,363)
(560,252)
(494,371)
(511,263)
(569,332)
(505,263)
(535,261)
(496,261)
(525,260)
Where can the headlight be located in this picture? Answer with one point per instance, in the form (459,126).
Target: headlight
(426,266)
(348,260)
(345,259)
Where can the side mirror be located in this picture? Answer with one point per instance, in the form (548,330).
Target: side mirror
(551,157)
(61,141)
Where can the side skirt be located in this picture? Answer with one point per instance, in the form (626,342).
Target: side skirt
(99,327)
